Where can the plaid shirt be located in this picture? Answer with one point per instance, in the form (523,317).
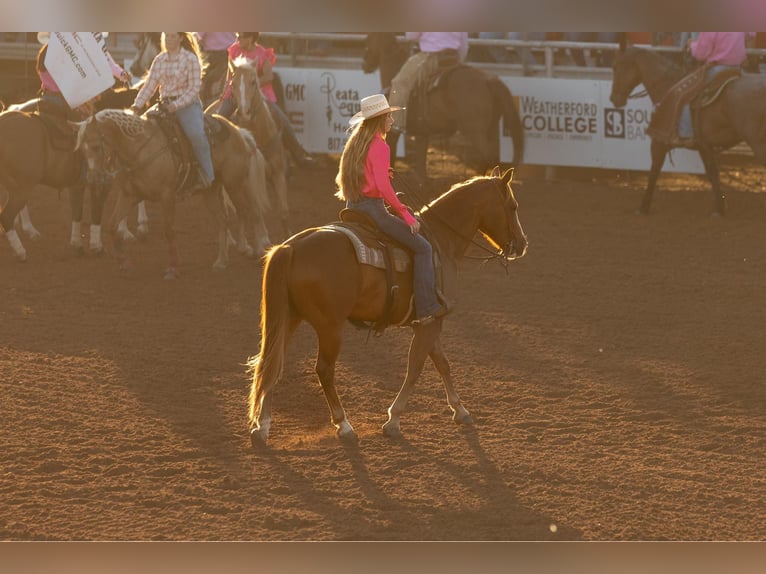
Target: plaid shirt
(179,78)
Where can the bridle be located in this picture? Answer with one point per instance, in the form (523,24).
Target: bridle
(502,254)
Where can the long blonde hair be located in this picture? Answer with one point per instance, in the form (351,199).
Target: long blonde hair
(350,178)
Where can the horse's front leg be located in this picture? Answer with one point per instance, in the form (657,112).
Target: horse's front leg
(76,206)
(460,413)
(327,355)
(168,203)
(658,152)
(98,193)
(26,224)
(121,207)
(710,161)
(420,347)
(213,199)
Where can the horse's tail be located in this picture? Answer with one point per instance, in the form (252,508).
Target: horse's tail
(267,367)
(511,120)
(256,174)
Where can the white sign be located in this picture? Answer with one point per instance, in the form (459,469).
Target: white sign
(79,66)
(567,122)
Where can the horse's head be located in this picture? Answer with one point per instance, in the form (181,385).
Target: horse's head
(246,87)
(626,75)
(371,57)
(499,223)
(147,47)
(99,136)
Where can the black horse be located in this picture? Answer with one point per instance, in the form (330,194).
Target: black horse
(465,99)
(737,114)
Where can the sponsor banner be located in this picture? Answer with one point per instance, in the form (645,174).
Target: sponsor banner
(77,63)
(567,122)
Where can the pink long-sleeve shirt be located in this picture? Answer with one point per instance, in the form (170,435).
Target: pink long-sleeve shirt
(377,179)
(720,47)
(438,41)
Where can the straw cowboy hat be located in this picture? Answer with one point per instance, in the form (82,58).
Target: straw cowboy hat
(43,37)
(372,107)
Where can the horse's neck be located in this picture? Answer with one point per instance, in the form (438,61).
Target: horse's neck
(657,74)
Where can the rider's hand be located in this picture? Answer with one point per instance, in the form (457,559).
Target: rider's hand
(415,227)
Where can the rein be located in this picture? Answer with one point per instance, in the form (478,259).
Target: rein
(500,254)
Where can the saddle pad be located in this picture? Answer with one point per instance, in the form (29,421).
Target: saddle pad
(370,255)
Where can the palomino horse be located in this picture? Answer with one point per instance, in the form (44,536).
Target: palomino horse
(465,99)
(253,113)
(316,276)
(119,97)
(147,169)
(737,114)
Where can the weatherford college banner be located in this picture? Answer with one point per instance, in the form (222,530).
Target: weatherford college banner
(78,65)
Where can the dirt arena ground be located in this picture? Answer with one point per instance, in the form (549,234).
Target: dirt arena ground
(615,376)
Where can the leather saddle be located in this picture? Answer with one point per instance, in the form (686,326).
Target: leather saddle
(181,147)
(693,89)
(375,248)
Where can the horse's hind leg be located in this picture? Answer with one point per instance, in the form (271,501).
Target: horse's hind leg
(327,355)
(658,152)
(710,161)
(16,203)
(421,346)
(460,414)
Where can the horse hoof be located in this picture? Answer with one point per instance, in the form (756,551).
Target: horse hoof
(21,258)
(716,215)
(171,273)
(465,420)
(32,234)
(217,266)
(391,431)
(257,440)
(349,438)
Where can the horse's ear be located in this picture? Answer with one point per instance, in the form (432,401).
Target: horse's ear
(494,172)
(623,41)
(508,176)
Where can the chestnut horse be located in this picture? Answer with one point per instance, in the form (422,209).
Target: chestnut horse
(465,99)
(315,276)
(133,153)
(738,114)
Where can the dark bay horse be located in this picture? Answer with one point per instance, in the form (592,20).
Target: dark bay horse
(738,114)
(315,276)
(134,155)
(465,99)
(117,97)
(30,157)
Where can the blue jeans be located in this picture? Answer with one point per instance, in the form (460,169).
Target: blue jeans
(423,266)
(192,120)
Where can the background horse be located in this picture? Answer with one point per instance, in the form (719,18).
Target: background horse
(147,169)
(118,97)
(147,47)
(29,157)
(253,113)
(466,100)
(315,276)
(738,114)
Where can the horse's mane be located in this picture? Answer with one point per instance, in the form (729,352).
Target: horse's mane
(130,124)
(665,66)
(455,188)
(242,62)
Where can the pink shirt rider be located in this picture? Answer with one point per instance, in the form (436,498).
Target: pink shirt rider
(215,41)
(378,181)
(727,48)
(259,54)
(438,41)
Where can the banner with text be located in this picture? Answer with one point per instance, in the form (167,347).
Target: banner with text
(567,122)
(78,64)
